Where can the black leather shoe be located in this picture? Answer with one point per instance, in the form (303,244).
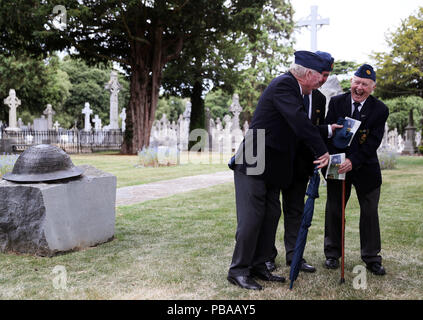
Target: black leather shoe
(305,267)
(270,265)
(245,282)
(266,275)
(332,263)
(376,268)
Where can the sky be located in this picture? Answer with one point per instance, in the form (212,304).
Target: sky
(356,27)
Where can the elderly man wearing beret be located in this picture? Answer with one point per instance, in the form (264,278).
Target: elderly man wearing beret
(293,196)
(361,167)
(279,123)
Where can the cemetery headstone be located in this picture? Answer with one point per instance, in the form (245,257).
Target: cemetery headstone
(123,117)
(313,21)
(70,212)
(13,102)
(87,112)
(114,87)
(49,112)
(40,124)
(97,122)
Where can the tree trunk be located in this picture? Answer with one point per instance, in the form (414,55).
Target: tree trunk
(146,74)
(197,120)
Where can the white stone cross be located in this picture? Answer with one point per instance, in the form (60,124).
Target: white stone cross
(114,86)
(236,109)
(123,117)
(313,21)
(56,125)
(97,122)
(13,102)
(49,112)
(87,111)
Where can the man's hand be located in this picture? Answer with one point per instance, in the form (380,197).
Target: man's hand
(335,126)
(322,161)
(345,166)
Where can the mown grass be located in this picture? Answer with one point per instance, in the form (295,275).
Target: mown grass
(180,248)
(128,172)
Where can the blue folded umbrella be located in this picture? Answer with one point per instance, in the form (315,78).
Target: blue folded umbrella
(312,193)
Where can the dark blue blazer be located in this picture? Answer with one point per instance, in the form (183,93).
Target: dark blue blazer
(281,114)
(362,152)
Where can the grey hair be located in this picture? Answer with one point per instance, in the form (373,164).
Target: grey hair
(300,71)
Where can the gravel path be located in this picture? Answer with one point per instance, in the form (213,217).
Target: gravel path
(161,189)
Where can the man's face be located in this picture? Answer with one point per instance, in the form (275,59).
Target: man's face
(313,81)
(361,88)
(325,75)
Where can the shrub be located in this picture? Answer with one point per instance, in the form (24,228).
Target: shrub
(387,160)
(147,157)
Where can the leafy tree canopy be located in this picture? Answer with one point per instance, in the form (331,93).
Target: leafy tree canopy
(400,71)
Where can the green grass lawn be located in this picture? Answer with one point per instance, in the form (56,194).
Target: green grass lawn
(180,248)
(128,173)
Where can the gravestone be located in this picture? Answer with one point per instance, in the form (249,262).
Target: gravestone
(114,87)
(123,117)
(97,122)
(236,132)
(410,147)
(56,125)
(87,112)
(13,102)
(331,88)
(313,21)
(49,112)
(41,124)
(41,218)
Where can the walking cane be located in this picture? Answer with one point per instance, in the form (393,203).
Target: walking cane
(343,233)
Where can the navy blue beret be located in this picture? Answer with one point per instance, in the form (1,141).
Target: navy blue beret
(309,60)
(366,71)
(328,60)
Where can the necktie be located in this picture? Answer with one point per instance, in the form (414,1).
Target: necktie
(306,103)
(356,113)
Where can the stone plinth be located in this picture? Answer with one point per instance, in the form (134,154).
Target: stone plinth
(48,218)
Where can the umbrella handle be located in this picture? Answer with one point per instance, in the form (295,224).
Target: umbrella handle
(343,233)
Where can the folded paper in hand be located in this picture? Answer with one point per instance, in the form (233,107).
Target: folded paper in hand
(345,135)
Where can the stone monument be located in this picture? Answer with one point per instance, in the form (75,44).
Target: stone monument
(313,21)
(41,124)
(236,132)
(114,86)
(49,112)
(59,208)
(56,125)
(410,136)
(87,112)
(13,102)
(97,122)
(123,117)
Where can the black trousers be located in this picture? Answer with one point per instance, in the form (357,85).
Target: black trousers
(370,243)
(258,211)
(293,208)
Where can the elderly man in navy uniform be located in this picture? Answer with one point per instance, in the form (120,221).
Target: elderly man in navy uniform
(279,123)
(361,167)
(293,196)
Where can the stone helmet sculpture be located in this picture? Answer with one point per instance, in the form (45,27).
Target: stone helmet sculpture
(42,162)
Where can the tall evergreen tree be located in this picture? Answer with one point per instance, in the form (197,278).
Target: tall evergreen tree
(141,35)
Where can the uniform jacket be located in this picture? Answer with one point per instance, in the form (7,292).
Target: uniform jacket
(281,114)
(366,174)
(303,165)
